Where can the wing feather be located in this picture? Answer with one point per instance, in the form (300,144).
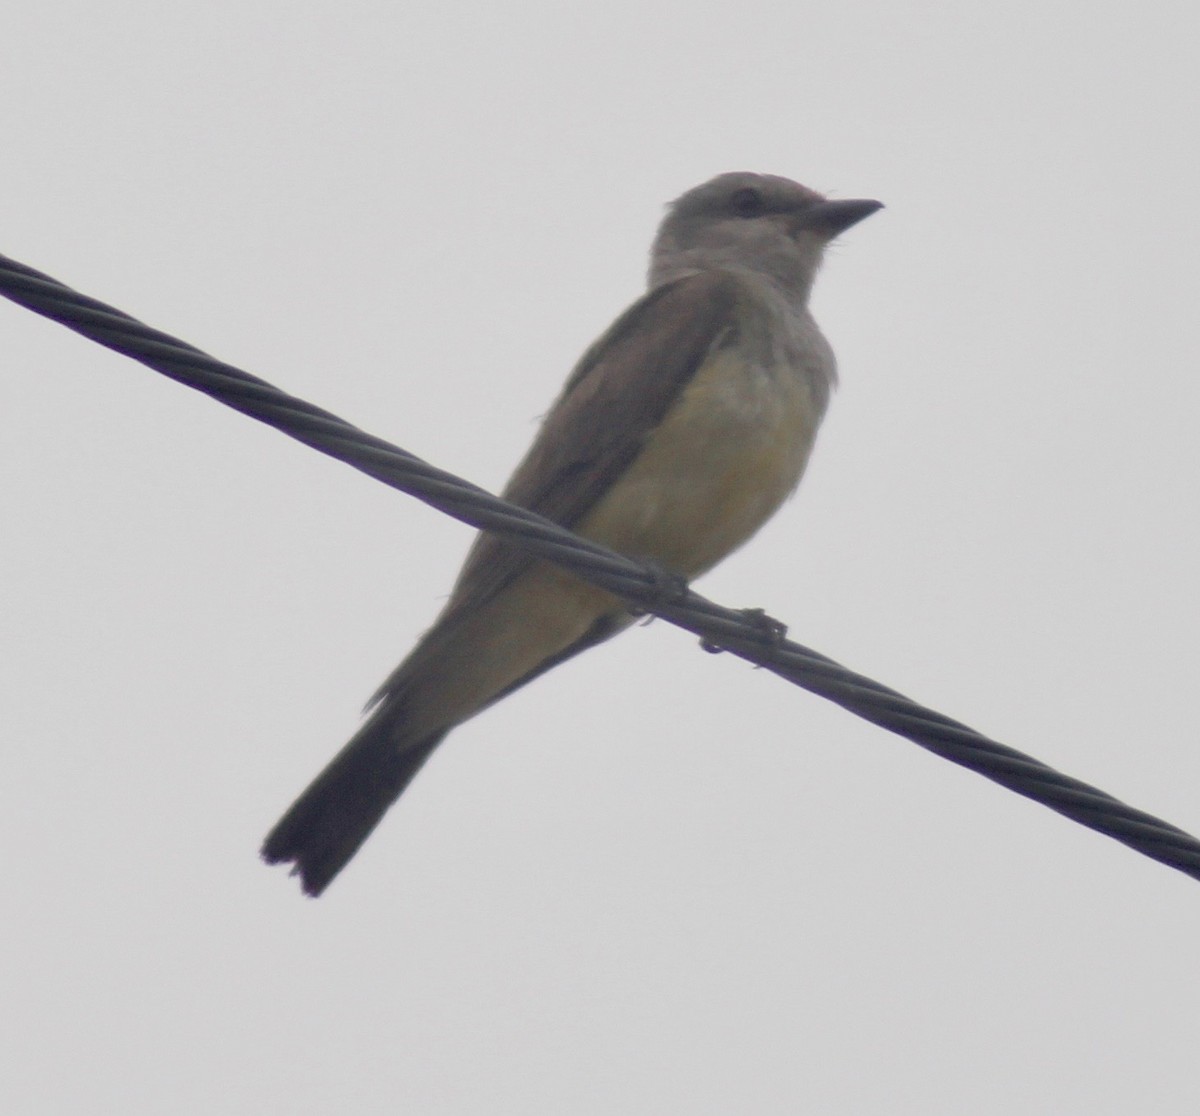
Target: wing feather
(617,395)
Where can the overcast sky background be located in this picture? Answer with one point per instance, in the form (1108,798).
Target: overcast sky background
(657,880)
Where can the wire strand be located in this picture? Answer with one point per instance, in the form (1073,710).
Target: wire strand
(747,633)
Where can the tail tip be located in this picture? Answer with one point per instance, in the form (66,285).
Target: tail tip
(314,877)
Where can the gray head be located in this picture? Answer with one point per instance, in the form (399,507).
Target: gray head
(752,222)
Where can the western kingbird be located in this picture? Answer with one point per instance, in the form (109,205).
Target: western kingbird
(678,434)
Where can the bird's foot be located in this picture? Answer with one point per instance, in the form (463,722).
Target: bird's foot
(666,588)
(770,631)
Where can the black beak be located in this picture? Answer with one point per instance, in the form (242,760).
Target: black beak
(833,217)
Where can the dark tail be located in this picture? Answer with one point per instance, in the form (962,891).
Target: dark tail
(328,823)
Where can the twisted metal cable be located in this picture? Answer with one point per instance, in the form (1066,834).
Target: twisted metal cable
(747,634)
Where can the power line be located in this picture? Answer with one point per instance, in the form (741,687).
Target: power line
(747,634)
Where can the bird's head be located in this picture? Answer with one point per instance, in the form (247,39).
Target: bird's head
(752,222)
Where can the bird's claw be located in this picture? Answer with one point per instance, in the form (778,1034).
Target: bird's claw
(666,588)
(772,632)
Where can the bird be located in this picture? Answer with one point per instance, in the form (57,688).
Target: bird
(680,431)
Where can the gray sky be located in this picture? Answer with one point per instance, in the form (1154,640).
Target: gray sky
(658,880)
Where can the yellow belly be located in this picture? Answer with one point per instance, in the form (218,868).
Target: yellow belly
(729,452)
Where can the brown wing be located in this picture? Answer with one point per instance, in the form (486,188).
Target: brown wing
(616,396)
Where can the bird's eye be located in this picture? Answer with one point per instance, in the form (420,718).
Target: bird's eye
(746,202)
